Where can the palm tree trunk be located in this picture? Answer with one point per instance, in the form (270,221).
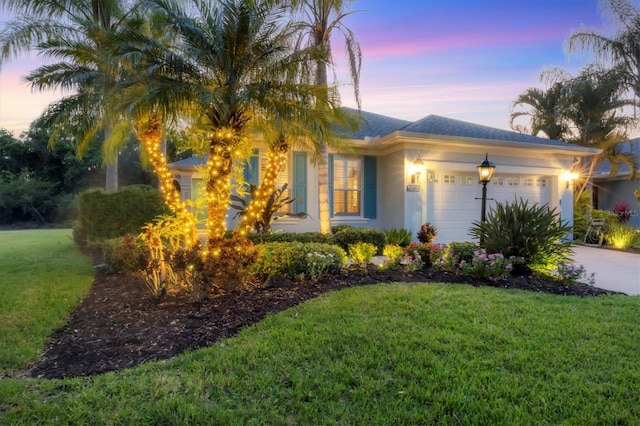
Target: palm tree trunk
(582,185)
(111,170)
(218,188)
(276,159)
(323,160)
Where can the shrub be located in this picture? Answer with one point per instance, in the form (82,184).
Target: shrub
(532,232)
(400,237)
(348,236)
(620,235)
(570,272)
(297,260)
(424,250)
(104,215)
(484,265)
(339,228)
(301,237)
(449,256)
(427,233)
(123,255)
(393,253)
(623,212)
(362,253)
(412,261)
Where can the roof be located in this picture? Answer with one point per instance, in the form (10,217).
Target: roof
(374,125)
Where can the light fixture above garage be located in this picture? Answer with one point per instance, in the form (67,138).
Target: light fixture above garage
(416,170)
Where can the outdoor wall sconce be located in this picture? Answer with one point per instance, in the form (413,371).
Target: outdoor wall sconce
(569,177)
(485,171)
(416,170)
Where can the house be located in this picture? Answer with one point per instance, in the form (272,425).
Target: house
(610,190)
(400,174)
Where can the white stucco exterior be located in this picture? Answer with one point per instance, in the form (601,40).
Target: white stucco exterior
(446,193)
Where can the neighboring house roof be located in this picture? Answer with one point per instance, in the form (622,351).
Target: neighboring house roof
(603,170)
(188,163)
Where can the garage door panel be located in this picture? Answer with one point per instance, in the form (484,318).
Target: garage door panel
(452,208)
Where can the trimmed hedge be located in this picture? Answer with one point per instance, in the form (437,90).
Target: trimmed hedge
(347,236)
(105,215)
(298,260)
(285,237)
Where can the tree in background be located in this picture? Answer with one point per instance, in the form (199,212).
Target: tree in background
(319,19)
(586,110)
(75,33)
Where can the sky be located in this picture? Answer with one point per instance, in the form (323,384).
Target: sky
(462,59)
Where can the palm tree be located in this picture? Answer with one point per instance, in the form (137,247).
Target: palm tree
(74,32)
(545,110)
(622,50)
(595,103)
(320,19)
(229,66)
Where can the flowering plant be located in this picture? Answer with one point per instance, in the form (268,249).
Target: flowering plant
(623,212)
(484,265)
(412,262)
(573,272)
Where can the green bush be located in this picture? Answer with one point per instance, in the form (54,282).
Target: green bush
(298,260)
(301,237)
(400,237)
(449,256)
(393,253)
(340,228)
(348,236)
(621,236)
(123,255)
(532,232)
(362,253)
(104,215)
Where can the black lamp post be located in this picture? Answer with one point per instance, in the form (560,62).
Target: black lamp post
(485,171)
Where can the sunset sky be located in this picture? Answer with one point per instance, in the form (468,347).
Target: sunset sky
(463,59)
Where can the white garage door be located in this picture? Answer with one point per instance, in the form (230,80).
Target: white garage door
(453,199)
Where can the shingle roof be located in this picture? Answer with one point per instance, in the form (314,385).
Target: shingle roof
(188,162)
(374,125)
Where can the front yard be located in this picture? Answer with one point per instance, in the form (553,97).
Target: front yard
(410,353)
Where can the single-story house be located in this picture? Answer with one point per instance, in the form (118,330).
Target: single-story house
(610,190)
(401,174)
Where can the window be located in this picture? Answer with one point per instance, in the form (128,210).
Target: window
(498,181)
(281,178)
(541,182)
(527,182)
(347,185)
(450,179)
(466,180)
(432,178)
(513,181)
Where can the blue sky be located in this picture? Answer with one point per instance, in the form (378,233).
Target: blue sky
(463,59)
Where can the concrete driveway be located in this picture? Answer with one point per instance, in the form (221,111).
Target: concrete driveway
(615,270)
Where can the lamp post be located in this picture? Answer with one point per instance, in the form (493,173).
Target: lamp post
(485,171)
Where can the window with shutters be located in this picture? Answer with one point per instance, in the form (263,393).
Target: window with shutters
(347,185)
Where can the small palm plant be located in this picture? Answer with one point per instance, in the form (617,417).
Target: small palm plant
(532,232)
(271,211)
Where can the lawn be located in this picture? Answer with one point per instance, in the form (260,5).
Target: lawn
(384,354)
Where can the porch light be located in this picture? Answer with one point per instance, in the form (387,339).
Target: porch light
(569,177)
(485,171)
(416,170)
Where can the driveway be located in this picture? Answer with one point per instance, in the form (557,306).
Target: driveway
(615,270)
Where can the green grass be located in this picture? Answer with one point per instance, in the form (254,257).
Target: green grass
(42,278)
(385,354)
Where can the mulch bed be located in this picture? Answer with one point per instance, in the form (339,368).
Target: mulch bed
(119,325)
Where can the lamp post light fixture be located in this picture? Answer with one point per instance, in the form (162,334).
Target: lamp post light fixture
(485,171)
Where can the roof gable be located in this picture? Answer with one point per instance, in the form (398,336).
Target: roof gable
(374,125)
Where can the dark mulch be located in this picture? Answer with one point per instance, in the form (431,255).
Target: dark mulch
(119,325)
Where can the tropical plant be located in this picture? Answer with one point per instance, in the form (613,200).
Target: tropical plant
(76,33)
(232,63)
(319,19)
(623,212)
(427,233)
(400,237)
(621,235)
(393,254)
(544,107)
(620,50)
(532,232)
(362,253)
(270,211)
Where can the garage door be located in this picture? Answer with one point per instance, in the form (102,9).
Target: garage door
(452,205)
